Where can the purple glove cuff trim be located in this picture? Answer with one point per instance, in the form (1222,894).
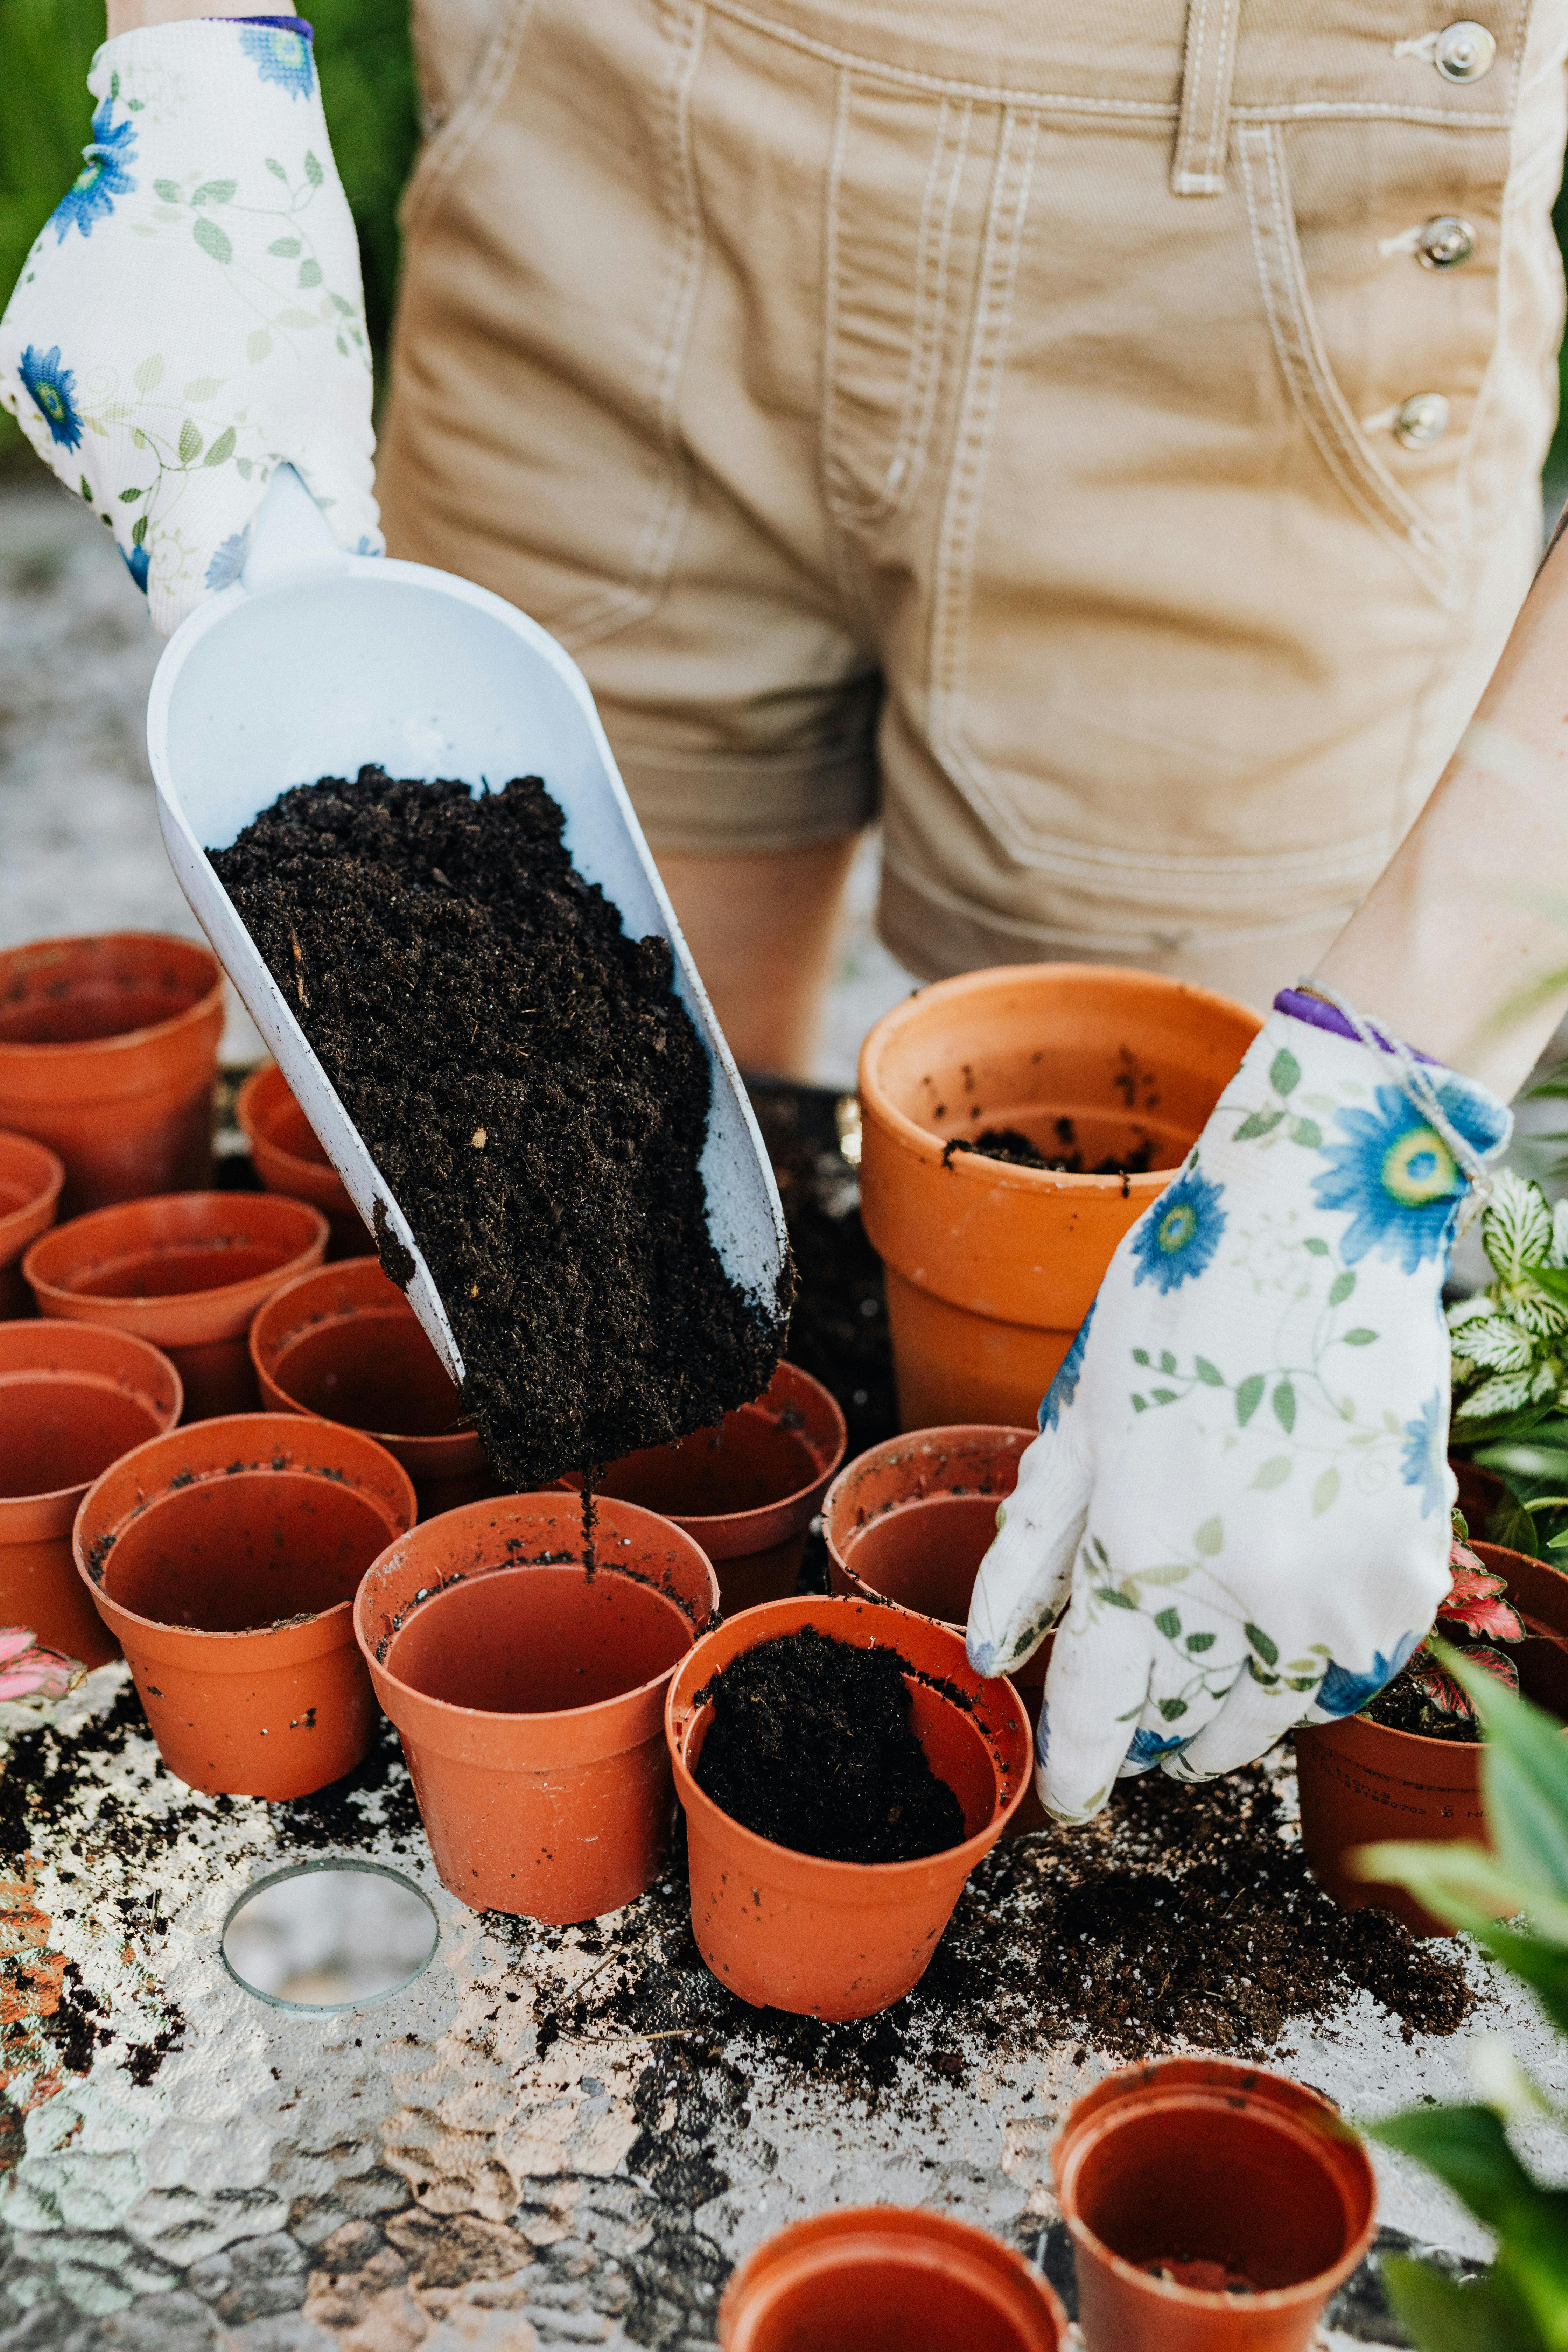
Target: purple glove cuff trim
(284,24)
(1321,1015)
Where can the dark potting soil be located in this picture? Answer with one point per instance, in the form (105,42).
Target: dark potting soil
(810,1745)
(1401,1706)
(535,1094)
(1009,1143)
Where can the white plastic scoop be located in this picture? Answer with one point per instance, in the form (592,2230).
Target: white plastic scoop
(315,663)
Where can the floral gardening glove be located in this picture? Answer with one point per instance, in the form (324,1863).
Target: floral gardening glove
(1240,1487)
(190,315)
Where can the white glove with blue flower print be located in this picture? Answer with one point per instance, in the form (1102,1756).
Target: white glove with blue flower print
(1240,1488)
(191,316)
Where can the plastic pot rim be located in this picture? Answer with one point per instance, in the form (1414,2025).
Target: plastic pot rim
(46,1198)
(942,2239)
(121,1041)
(394,1310)
(848,1878)
(382,1671)
(42,1287)
(42,1324)
(954,1432)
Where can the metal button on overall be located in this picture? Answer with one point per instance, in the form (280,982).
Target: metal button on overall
(1421,420)
(1465,51)
(1443,242)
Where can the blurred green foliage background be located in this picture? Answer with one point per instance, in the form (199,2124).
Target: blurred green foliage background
(367,78)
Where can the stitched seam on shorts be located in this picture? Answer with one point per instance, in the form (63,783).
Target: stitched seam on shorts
(1012,182)
(907,462)
(613,607)
(446,153)
(1316,396)
(1198,169)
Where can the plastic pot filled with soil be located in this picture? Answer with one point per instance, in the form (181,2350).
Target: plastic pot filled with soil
(343,1343)
(1015,1123)
(73,1401)
(31,1178)
(524,1660)
(748,1490)
(187,1272)
(107,1052)
(843,1768)
(909,1521)
(225,1558)
(1212,2207)
(1409,1767)
(288,1158)
(885,2278)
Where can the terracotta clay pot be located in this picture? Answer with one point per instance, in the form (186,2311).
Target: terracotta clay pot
(882,2278)
(31,1177)
(529,1694)
(991,1268)
(187,1272)
(748,1490)
(73,1401)
(842,1939)
(1209,2172)
(909,1521)
(226,1556)
(1361,1782)
(343,1343)
(107,1048)
(287,1159)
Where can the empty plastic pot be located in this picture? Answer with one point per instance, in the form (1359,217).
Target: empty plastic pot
(911,1520)
(748,1490)
(107,1047)
(1212,2207)
(882,2278)
(843,1940)
(31,1177)
(73,1401)
(225,1558)
(187,1272)
(992,1268)
(287,1159)
(343,1343)
(528,1690)
(1362,1782)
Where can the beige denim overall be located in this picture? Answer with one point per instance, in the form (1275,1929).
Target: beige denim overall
(1102,435)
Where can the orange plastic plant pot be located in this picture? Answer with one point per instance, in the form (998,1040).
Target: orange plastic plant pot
(187,1272)
(1362,1781)
(747,1491)
(529,1694)
(911,1520)
(343,1343)
(883,2278)
(991,1268)
(107,1048)
(226,1556)
(73,1401)
(289,1159)
(1208,2172)
(843,1940)
(31,1178)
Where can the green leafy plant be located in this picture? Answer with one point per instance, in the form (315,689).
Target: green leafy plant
(1473,1612)
(1510,1345)
(1521,2305)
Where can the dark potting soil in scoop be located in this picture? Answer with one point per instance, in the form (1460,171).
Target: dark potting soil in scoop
(810,1745)
(535,1094)
(1011,1144)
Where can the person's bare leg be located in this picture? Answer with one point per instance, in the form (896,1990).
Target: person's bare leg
(762,929)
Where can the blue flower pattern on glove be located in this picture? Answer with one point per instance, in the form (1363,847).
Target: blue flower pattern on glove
(1181,1232)
(228,562)
(1342,1693)
(139,564)
(1148,1746)
(1064,1388)
(105,175)
(1395,1177)
(1422,1460)
(280,56)
(53,390)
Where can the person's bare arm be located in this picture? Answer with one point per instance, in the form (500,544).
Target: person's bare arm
(1461,946)
(131,15)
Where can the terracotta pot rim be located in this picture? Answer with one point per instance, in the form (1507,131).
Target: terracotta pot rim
(123,1040)
(44,1200)
(813,2243)
(953,1434)
(381,1671)
(849,1875)
(973,1166)
(64,1498)
(43,1287)
(394,1310)
(43,1496)
(302,1628)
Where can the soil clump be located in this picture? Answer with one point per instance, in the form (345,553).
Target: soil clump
(1400,1705)
(534,1092)
(1010,1144)
(810,1745)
